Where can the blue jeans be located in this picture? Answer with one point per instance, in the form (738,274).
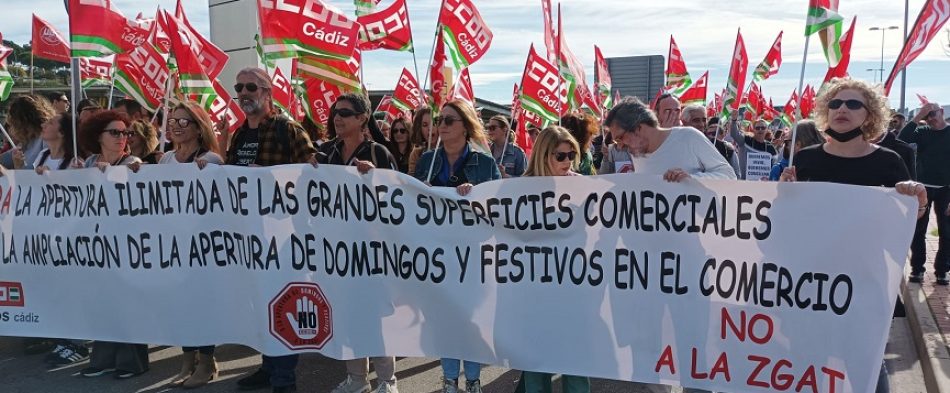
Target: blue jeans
(282,369)
(450,369)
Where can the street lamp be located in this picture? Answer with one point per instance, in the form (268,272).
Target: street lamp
(873,72)
(883,30)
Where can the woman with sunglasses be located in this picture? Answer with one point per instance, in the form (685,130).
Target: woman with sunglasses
(555,153)
(510,158)
(189,128)
(105,136)
(582,127)
(144,142)
(423,136)
(852,113)
(456,163)
(349,117)
(401,145)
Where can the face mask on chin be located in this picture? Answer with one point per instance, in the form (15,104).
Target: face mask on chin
(844,136)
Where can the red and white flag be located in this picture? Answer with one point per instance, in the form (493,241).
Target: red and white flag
(841,70)
(438,79)
(282,90)
(142,75)
(467,36)
(47,42)
(320,96)
(463,88)
(387,29)
(540,85)
(223,108)
(696,94)
(292,30)
(931,19)
(98,29)
(407,95)
(94,71)
(808,101)
(602,80)
(737,74)
(211,58)
(772,62)
(550,38)
(677,77)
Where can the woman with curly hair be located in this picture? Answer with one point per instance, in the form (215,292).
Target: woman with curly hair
(582,127)
(853,114)
(26,117)
(105,136)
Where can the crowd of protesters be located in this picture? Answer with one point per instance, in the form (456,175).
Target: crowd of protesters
(854,139)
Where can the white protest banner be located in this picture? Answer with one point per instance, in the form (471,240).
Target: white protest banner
(758,165)
(722,285)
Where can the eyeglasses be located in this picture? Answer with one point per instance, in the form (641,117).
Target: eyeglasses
(761,128)
(344,113)
(560,156)
(251,87)
(119,133)
(447,120)
(851,104)
(400,130)
(181,123)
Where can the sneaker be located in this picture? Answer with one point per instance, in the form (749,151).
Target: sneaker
(473,386)
(260,379)
(352,385)
(52,356)
(121,374)
(71,354)
(916,278)
(386,387)
(450,385)
(92,372)
(942,279)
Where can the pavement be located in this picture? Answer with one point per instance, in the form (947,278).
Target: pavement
(917,360)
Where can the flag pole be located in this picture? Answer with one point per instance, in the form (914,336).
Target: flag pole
(6,135)
(798,110)
(168,94)
(738,106)
(75,88)
(557,59)
(432,162)
(111,83)
(425,83)
(31,69)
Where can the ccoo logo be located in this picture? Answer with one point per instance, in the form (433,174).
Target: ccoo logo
(49,36)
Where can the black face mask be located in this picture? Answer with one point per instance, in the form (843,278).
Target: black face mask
(844,136)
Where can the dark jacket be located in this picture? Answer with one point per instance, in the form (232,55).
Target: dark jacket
(904,150)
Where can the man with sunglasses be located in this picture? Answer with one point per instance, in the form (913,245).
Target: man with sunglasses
(933,169)
(267,139)
(695,116)
(752,148)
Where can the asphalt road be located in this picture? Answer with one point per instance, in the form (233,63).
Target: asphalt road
(22,374)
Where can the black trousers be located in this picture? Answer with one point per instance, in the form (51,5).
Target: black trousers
(938,198)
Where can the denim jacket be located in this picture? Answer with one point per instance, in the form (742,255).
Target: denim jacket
(514,161)
(479,167)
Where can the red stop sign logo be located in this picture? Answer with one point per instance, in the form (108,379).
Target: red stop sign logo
(301,317)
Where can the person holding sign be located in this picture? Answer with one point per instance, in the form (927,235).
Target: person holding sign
(755,153)
(267,139)
(191,131)
(555,152)
(349,115)
(106,136)
(853,114)
(675,153)
(457,164)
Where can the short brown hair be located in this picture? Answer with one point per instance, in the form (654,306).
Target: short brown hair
(93,127)
(418,136)
(582,127)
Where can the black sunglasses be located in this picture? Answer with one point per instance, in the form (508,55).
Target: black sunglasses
(760,128)
(120,133)
(344,113)
(251,87)
(560,156)
(400,130)
(851,104)
(447,120)
(181,123)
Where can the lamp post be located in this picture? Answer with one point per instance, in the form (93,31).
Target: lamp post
(883,30)
(873,72)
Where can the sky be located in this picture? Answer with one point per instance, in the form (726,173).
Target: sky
(704,30)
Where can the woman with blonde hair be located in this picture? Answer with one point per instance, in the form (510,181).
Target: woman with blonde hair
(144,142)
(853,114)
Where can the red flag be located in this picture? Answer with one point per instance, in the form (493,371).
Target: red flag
(602,79)
(788,117)
(518,122)
(539,87)
(97,29)
(572,73)
(463,88)
(192,75)
(550,39)
(156,31)
(466,35)
(320,96)
(211,58)
(440,89)
(282,90)
(406,96)
(338,72)
(392,112)
(47,42)
(92,71)
(696,93)
(387,29)
(677,77)
(841,70)
(223,108)
(737,73)
(931,19)
(772,62)
(143,75)
(316,29)
(808,101)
